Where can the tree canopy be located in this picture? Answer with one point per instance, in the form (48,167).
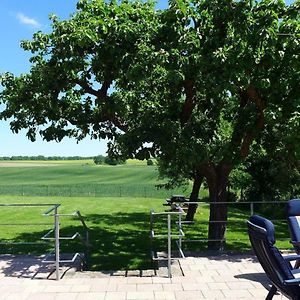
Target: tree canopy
(201,85)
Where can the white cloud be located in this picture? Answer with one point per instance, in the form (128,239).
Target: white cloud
(27,21)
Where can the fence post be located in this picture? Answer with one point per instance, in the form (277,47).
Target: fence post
(252,208)
(169,246)
(56,222)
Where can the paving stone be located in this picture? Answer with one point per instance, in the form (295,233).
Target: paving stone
(161,280)
(215,294)
(164,295)
(115,296)
(149,287)
(237,293)
(126,287)
(69,296)
(172,287)
(140,295)
(57,288)
(139,280)
(80,288)
(217,286)
(111,287)
(90,296)
(187,295)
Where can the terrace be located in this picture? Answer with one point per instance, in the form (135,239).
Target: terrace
(210,277)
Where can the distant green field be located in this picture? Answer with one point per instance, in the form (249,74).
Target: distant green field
(81,178)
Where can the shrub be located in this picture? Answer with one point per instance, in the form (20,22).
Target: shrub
(114,161)
(150,162)
(99,160)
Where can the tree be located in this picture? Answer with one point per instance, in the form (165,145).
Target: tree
(150,162)
(197,85)
(99,159)
(114,161)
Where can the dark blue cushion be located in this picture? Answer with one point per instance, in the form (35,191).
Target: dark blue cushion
(294,225)
(293,207)
(266,224)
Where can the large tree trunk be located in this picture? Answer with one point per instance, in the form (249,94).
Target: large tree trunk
(192,208)
(217,179)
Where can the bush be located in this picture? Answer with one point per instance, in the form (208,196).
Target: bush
(99,160)
(114,161)
(150,162)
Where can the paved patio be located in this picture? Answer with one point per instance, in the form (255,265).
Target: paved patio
(213,277)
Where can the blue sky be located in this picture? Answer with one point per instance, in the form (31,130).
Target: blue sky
(19,19)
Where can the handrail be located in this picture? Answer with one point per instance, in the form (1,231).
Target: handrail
(51,212)
(169,235)
(82,220)
(55,206)
(179,210)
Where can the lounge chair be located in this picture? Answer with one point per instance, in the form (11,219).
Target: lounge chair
(277,268)
(293,218)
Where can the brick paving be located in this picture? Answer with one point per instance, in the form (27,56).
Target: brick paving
(213,277)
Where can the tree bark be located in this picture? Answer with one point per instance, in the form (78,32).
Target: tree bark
(217,179)
(192,208)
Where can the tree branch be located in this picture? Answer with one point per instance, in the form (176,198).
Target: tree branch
(101,96)
(87,88)
(250,135)
(190,101)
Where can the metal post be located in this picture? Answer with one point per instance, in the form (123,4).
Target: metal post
(56,222)
(180,230)
(169,246)
(252,208)
(87,241)
(151,232)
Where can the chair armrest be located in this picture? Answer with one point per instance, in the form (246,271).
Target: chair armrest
(295,243)
(291,257)
(295,281)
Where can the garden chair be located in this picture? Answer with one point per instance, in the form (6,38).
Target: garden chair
(293,218)
(277,268)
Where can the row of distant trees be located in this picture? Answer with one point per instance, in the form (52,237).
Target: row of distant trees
(41,157)
(98,160)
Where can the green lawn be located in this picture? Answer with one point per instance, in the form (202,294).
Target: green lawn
(119,229)
(118,215)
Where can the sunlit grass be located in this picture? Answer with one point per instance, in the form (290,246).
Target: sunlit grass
(119,229)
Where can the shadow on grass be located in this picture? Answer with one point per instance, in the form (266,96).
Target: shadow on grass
(118,241)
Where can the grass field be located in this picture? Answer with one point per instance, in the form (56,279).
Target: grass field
(81,178)
(119,226)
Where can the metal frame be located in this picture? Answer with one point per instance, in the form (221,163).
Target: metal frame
(53,211)
(251,203)
(169,236)
(181,234)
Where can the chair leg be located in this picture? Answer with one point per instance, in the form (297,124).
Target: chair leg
(271,293)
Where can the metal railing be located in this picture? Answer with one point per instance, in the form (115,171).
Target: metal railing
(178,209)
(53,212)
(169,235)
